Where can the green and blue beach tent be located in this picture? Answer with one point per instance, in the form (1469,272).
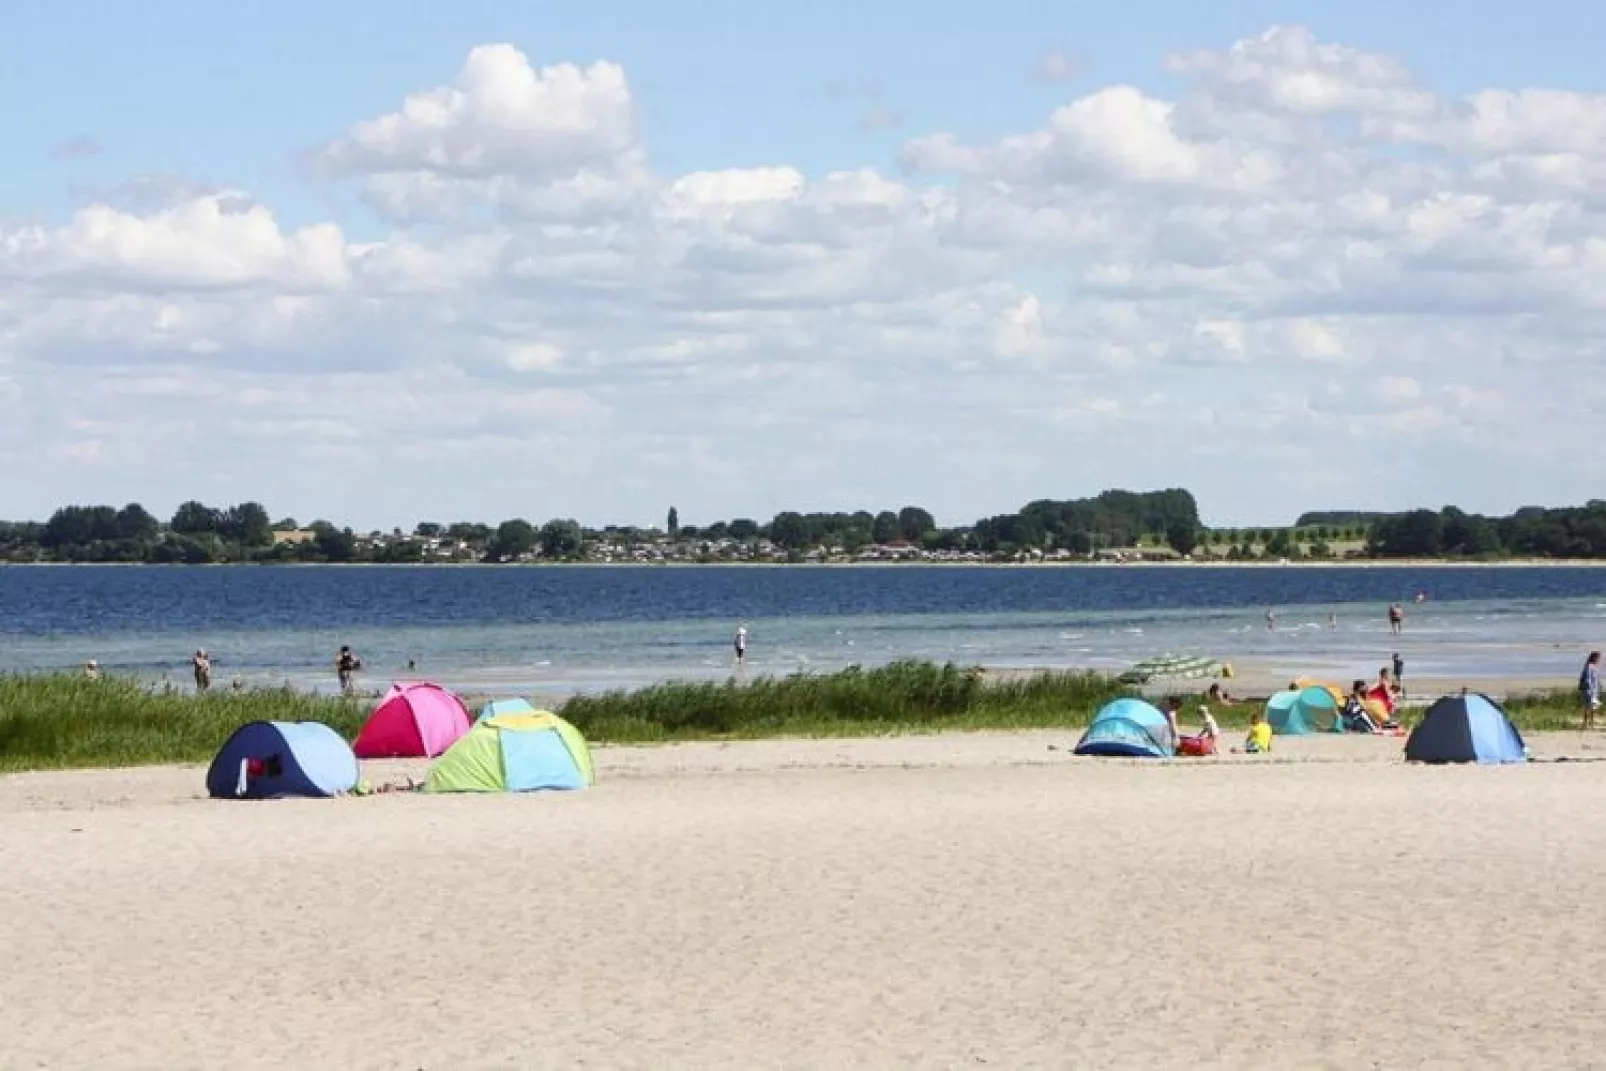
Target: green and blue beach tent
(515,752)
(1128,728)
(1300,711)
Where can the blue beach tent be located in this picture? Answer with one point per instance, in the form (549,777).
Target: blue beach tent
(505,706)
(269,759)
(1295,713)
(1465,728)
(1128,727)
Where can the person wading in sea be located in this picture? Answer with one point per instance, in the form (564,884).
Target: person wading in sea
(201,664)
(346,666)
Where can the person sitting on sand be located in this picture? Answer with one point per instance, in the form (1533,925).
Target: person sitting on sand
(1354,717)
(1218,694)
(1259,739)
(92,670)
(1383,692)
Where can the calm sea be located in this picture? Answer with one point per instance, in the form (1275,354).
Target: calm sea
(581,628)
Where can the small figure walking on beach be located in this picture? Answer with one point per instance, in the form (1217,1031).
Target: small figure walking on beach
(1271,620)
(1399,673)
(1396,618)
(201,666)
(346,666)
(741,644)
(1589,688)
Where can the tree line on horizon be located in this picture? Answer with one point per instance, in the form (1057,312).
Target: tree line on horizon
(1115,519)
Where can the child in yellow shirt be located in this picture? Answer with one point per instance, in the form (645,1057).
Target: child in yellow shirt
(1259,734)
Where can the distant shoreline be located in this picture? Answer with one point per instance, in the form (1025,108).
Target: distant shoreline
(1349,563)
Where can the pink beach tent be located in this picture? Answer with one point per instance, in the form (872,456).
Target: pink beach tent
(418,720)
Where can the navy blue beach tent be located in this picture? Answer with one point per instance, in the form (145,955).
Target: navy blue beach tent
(271,759)
(1465,728)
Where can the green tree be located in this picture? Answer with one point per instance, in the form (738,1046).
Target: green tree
(790,530)
(247,524)
(743,529)
(135,522)
(512,539)
(1182,537)
(914,523)
(427,530)
(193,517)
(561,538)
(336,544)
(885,527)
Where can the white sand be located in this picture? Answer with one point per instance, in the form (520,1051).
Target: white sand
(954,901)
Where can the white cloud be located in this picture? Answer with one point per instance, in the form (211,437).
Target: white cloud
(1255,252)
(209,241)
(501,116)
(1286,69)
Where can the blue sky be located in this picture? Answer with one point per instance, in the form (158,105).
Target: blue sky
(230,92)
(811,235)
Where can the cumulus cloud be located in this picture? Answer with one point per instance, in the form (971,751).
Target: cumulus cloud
(1304,249)
(501,116)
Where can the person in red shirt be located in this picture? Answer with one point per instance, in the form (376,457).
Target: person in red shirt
(1383,691)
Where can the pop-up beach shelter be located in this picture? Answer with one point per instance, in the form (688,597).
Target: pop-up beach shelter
(268,759)
(505,706)
(1128,727)
(515,753)
(1339,697)
(1465,728)
(419,720)
(1295,713)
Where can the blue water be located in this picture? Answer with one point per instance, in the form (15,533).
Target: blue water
(570,628)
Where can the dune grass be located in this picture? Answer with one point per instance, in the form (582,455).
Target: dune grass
(54,721)
(900,697)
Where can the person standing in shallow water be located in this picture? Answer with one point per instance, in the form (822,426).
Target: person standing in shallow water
(346,666)
(741,645)
(201,666)
(1396,618)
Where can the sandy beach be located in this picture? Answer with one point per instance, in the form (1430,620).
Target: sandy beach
(945,901)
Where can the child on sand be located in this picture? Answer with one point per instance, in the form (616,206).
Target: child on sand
(1259,739)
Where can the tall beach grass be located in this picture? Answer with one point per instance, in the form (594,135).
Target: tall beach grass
(57,720)
(52,721)
(900,697)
